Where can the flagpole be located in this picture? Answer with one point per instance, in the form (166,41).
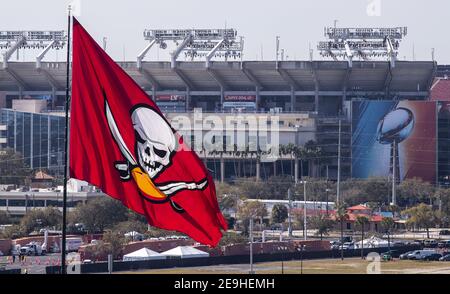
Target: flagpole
(66,136)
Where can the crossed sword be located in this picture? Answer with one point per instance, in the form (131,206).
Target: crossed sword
(169,189)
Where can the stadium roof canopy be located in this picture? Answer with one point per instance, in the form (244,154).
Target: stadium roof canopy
(302,76)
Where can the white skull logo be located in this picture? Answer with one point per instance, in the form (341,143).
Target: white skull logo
(155,140)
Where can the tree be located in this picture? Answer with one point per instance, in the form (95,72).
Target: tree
(227,195)
(232,238)
(116,241)
(13,168)
(49,217)
(130,226)
(362,220)
(251,209)
(322,223)
(341,216)
(112,243)
(279,214)
(272,188)
(413,191)
(388,225)
(100,213)
(376,190)
(443,197)
(4,218)
(155,232)
(13,232)
(422,216)
(316,189)
(298,218)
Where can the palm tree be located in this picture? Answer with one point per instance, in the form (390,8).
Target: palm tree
(341,216)
(388,224)
(362,220)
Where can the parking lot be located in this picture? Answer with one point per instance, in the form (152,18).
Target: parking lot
(31,264)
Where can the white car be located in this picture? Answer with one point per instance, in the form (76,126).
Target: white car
(420,254)
(348,246)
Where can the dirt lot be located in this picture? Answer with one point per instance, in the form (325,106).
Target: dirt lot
(326,266)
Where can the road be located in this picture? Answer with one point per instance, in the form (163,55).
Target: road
(31,264)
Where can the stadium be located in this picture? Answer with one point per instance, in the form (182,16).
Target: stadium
(311,98)
(346,155)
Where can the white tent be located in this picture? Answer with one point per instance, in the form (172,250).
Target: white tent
(185,252)
(372,242)
(143,254)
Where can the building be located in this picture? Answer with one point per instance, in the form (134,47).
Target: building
(350,224)
(307,97)
(39,137)
(18,203)
(312,207)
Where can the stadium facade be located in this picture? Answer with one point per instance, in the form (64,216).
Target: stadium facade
(309,97)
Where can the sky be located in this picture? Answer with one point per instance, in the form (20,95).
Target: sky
(299,23)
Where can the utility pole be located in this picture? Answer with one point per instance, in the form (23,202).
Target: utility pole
(327,190)
(289,213)
(251,246)
(394,166)
(305,230)
(338,190)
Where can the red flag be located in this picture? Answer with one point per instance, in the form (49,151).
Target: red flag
(121,143)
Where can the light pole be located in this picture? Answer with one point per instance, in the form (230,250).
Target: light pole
(289,213)
(251,246)
(327,190)
(338,186)
(301,258)
(305,233)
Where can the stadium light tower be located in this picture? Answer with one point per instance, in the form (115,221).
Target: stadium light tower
(195,43)
(365,43)
(11,41)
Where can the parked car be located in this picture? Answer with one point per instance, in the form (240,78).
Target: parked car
(32,248)
(334,245)
(444,244)
(398,244)
(404,256)
(348,245)
(419,242)
(432,257)
(420,254)
(445,258)
(430,243)
(390,255)
(444,233)
(347,239)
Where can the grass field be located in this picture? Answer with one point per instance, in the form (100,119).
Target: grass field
(326,266)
